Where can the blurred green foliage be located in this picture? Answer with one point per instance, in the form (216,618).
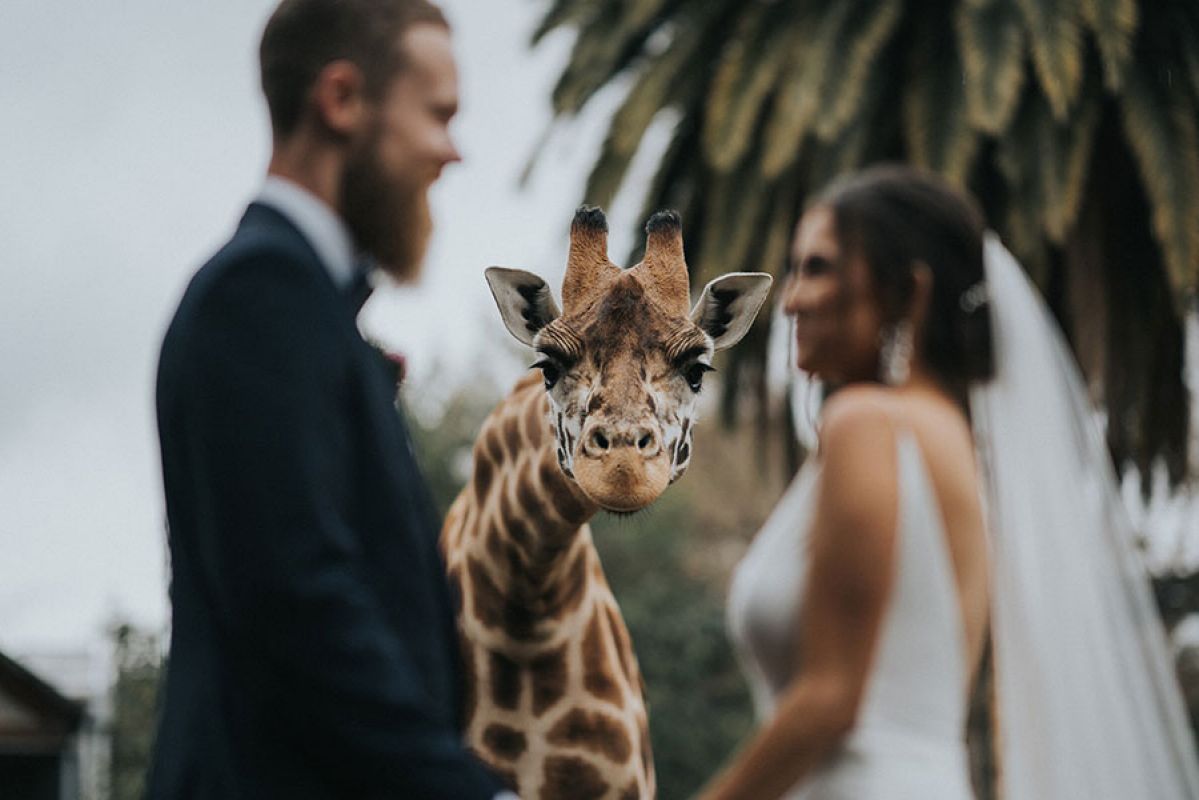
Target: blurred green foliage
(137,655)
(443,445)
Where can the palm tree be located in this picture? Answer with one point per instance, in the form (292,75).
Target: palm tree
(1075,121)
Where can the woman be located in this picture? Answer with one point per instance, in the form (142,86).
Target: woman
(862,607)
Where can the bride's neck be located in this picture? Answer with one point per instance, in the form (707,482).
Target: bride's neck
(924,382)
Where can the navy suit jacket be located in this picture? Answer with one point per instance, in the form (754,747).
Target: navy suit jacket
(313,651)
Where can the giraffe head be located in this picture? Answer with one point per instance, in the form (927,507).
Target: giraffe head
(624,360)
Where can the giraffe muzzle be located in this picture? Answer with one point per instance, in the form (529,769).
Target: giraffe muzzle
(622,468)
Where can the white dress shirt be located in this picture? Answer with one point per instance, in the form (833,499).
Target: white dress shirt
(318,224)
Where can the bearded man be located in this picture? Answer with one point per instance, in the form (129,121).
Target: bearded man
(313,652)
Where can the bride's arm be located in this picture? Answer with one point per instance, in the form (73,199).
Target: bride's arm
(850,574)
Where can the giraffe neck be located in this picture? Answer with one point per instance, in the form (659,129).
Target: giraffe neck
(528,554)
(553,695)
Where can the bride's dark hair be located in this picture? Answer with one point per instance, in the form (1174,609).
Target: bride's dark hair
(896,217)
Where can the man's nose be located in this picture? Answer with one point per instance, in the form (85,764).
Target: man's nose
(451,155)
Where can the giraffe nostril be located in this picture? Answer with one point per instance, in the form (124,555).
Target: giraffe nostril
(600,441)
(647,441)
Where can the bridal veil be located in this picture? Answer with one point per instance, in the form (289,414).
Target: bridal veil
(1088,703)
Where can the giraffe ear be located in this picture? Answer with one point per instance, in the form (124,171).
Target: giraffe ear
(729,304)
(525,302)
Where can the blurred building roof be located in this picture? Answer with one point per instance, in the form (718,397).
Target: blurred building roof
(34,716)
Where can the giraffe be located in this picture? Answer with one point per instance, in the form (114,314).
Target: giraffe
(555,700)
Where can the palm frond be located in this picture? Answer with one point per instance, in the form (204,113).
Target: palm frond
(669,79)
(937,129)
(1071,149)
(607,44)
(859,144)
(781,224)
(1184,24)
(560,14)
(1113,23)
(1159,117)
(748,70)
(678,181)
(643,12)
(736,203)
(1018,158)
(853,58)
(991,41)
(798,97)
(1056,39)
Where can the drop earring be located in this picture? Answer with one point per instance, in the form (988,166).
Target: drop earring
(895,353)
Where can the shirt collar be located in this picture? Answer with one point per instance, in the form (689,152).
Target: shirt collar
(317,222)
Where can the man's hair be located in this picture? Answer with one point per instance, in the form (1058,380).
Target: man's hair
(302,36)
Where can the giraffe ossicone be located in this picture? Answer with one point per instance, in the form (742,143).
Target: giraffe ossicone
(555,698)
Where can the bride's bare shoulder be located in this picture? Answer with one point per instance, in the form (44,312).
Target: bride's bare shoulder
(865,417)
(857,436)
(859,405)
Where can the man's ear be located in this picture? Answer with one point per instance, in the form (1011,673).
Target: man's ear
(729,304)
(338,97)
(525,302)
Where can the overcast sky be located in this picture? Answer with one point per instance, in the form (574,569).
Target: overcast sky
(134,135)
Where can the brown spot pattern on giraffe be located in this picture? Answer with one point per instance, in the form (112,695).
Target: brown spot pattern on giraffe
(481,482)
(592,730)
(494,609)
(568,506)
(575,587)
(597,666)
(536,425)
(513,441)
(624,648)
(493,444)
(519,621)
(532,503)
(549,675)
(505,743)
(505,681)
(631,792)
(494,541)
(487,602)
(564,592)
(570,776)
(518,531)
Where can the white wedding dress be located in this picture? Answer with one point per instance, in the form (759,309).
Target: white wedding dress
(1087,701)
(909,742)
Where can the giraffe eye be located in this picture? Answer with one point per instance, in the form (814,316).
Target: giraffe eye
(694,374)
(550,371)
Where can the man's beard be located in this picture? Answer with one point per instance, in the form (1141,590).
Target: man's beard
(388,218)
